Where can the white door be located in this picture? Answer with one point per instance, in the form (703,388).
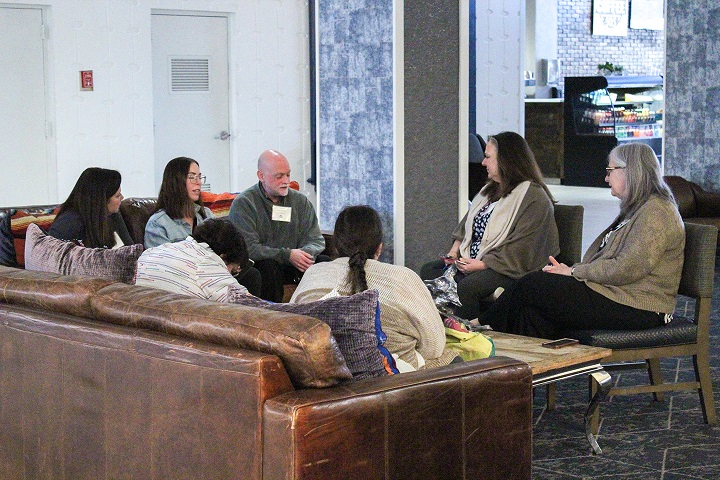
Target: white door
(24,138)
(191,95)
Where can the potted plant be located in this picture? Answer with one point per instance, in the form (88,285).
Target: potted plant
(608,68)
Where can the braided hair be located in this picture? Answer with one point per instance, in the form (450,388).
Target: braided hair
(358,235)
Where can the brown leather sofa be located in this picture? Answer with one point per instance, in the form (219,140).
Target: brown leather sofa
(695,204)
(107,380)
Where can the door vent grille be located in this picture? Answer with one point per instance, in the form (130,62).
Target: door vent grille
(189,74)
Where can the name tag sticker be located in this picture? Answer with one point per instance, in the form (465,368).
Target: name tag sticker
(281,214)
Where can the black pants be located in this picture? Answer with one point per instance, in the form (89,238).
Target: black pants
(275,275)
(251,280)
(544,304)
(472,289)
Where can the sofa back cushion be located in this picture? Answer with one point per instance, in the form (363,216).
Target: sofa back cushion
(136,212)
(305,345)
(60,293)
(44,253)
(7,243)
(352,320)
(684,196)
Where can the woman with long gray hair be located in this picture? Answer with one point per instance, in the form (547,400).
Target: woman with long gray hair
(629,276)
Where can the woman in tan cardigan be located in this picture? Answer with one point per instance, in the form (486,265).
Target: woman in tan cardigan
(628,278)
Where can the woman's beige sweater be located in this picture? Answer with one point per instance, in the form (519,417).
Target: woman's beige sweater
(408,314)
(641,264)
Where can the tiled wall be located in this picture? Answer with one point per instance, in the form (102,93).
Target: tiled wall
(692,105)
(641,52)
(499,63)
(355,127)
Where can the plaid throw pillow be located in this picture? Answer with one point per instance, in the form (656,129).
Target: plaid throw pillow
(351,320)
(44,253)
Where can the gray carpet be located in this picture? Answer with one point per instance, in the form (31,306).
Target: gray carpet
(641,439)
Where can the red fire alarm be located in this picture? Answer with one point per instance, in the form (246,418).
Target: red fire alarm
(86,80)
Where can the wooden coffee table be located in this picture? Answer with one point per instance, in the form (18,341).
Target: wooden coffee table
(553,365)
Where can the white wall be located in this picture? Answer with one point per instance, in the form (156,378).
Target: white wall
(500,43)
(112,126)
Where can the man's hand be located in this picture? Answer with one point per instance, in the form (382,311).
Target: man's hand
(469,265)
(301,259)
(556,267)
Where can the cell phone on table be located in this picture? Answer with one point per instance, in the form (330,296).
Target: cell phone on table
(563,342)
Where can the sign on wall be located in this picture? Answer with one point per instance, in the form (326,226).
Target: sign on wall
(610,17)
(647,14)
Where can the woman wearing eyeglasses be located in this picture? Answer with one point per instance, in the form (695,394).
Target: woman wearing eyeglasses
(629,276)
(179,212)
(179,209)
(90,215)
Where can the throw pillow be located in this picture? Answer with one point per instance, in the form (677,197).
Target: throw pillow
(22,218)
(218,203)
(44,253)
(351,320)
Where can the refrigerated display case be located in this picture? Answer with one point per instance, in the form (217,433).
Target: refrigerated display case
(602,112)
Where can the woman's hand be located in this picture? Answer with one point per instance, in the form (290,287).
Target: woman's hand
(469,265)
(555,267)
(450,257)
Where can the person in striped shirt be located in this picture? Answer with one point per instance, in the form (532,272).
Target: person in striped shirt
(203,265)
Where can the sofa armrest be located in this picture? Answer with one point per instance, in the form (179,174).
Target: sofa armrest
(457,421)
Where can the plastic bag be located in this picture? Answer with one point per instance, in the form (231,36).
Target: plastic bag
(444,290)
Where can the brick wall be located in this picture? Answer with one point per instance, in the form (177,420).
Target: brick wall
(642,52)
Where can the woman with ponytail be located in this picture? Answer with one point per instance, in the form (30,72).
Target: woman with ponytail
(415,332)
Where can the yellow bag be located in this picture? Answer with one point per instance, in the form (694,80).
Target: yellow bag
(469,345)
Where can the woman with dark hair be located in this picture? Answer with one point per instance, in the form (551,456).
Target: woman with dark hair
(415,332)
(90,215)
(179,209)
(629,276)
(509,230)
(203,265)
(180,212)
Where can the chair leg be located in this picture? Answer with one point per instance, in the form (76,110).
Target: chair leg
(551,394)
(701,362)
(655,377)
(595,418)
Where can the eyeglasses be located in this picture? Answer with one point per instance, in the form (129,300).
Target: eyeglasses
(610,169)
(196,177)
